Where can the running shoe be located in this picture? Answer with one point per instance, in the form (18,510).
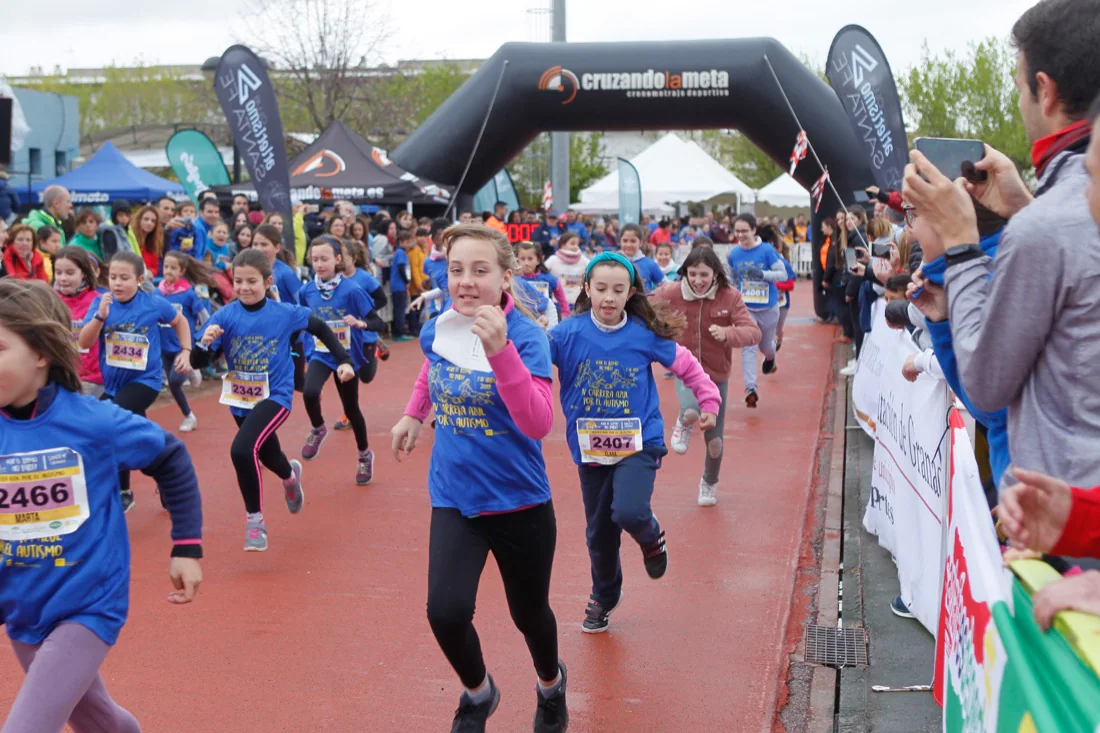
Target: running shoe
(597,617)
(898,608)
(364,474)
(313,442)
(292,489)
(342,424)
(189,423)
(127,501)
(751,398)
(255,536)
(655,555)
(551,715)
(850,370)
(382,351)
(778,345)
(195,378)
(681,436)
(471,717)
(405,337)
(769,366)
(708,493)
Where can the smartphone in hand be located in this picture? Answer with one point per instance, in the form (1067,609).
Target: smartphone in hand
(953,157)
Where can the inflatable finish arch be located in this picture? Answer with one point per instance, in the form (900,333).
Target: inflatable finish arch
(638,86)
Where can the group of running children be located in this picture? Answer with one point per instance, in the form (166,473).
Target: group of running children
(487,375)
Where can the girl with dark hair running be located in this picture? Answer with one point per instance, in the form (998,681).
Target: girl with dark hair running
(604,355)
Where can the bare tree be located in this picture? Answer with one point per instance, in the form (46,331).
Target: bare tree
(321,51)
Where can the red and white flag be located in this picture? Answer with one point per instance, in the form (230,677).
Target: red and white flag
(818,191)
(547,196)
(799,152)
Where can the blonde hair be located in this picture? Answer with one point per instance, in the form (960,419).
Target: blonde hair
(34,312)
(879,227)
(506,255)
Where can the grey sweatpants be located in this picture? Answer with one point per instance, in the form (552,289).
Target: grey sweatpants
(767,320)
(713,437)
(63,685)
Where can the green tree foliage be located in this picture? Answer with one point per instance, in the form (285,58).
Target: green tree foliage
(531,168)
(969,96)
(586,166)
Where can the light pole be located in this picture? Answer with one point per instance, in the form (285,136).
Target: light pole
(559,141)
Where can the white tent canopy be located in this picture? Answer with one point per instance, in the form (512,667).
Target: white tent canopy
(784,191)
(671,171)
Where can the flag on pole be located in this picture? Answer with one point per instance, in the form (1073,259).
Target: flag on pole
(801,144)
(818,191)
(547,196)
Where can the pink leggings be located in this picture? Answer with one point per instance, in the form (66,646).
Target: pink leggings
(63,685)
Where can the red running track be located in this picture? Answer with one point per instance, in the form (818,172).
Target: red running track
(327,630)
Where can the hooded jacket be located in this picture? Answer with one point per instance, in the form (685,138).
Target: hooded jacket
(725,309)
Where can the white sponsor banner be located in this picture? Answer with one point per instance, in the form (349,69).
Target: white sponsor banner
(906,509)
(867,382)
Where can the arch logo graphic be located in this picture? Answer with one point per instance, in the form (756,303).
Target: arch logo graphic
(560,81)
(323,163)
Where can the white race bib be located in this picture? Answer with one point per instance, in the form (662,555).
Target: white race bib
(541,286)
(343,335)
(754,292)
(42,494)
(127,351)
(608,440)
(244,389)
(456,343)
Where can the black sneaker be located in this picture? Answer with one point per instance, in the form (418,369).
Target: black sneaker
(382,351)
(127,501)
(597,617)
(551,715)
(655,555)
(751,398)
(470,718)
(769,366)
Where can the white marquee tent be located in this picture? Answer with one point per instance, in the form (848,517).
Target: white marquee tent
(784,191)
(671,171)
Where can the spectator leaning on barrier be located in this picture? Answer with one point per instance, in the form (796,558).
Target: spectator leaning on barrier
(1029,338)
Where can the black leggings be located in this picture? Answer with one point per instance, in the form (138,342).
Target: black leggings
(523,544)
(135,398)
(255,444)
(857,331)
(370,368)
(316,377)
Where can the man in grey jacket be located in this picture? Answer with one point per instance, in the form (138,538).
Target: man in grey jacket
(1029,337)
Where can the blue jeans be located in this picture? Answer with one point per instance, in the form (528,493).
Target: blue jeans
(400,300)
(616,499)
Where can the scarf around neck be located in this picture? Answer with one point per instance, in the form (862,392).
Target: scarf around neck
(689,294)
(436,254)
(326,289)
(1046,148)
(569,257)
(177,287)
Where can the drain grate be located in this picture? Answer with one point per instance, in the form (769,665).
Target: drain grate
(844,647)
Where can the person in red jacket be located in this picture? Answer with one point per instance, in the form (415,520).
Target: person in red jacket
(718,323)
(1045,514)
(22,260)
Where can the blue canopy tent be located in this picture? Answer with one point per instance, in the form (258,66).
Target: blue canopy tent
(105,177)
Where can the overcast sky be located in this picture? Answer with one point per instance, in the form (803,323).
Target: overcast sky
(78,33)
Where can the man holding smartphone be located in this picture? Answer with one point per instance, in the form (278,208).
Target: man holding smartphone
(1028,338)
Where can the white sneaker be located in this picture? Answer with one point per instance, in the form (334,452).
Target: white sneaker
(195,379)
(189,423)
(850,370)
(708,493)
(681,436)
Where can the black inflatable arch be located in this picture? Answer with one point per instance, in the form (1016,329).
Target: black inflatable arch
(637,86)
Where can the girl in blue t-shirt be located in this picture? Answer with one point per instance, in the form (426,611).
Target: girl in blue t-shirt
(175,287)
(126,323)
(355,269)
(63,610)
(604,355)
(349,312)
(770,234)
(755,268)
(219,260)
(487,375)
(255,332)
(529,256)
(630,245)
(284,288)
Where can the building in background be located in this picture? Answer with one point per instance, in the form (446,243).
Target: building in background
(53,143)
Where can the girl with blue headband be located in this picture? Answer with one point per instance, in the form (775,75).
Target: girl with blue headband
(604,355)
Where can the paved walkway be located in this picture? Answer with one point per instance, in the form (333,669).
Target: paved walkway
(327,630)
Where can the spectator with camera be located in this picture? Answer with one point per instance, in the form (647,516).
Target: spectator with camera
(1028,339)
